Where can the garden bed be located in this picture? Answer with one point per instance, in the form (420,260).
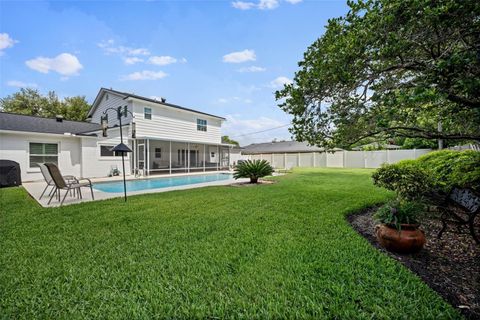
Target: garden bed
(449,265)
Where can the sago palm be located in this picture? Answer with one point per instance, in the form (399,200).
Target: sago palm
(253,169)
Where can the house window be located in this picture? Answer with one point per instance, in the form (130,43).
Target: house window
(106,151)
(158,153)
(147,113)
(42,153)
(201,125)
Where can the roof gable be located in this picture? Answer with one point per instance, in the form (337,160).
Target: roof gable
(126,95)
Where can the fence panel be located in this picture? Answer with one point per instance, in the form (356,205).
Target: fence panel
(292,160)
(335,160)
(320,159)
(354,159)
(279,160)
(306,160)
(374,159)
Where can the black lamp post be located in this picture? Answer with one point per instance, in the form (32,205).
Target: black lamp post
(120,148)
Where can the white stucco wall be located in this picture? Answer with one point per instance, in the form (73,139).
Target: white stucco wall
(15,146)
(95,166)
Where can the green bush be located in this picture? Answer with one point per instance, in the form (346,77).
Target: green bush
(449,168)
(253,169)
(397,212)
(406,178)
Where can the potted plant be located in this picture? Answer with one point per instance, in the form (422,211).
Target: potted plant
(253,169)
(398,230)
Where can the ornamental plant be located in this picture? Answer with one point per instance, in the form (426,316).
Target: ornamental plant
(395,213)
(253,169)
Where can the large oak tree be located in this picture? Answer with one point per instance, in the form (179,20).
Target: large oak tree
(30,102)
(390,68)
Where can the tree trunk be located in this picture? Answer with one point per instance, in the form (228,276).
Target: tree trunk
(253,179)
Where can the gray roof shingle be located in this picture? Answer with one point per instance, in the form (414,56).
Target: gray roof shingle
(20,122)
(280,147)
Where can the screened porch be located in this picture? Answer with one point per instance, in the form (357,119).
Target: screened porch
(151,156)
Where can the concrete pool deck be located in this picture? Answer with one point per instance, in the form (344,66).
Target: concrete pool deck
(35,189)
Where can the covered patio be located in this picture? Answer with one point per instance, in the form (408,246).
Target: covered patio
(154,156)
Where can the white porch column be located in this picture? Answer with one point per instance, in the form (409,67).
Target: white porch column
(188,157)
(218,156)
(170,158)
(147,157)
(204,150)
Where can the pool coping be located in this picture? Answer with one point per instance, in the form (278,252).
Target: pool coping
(35,189)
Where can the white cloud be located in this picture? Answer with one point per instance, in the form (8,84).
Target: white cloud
(267,4)
(6,42)
(233,99)
(65,64)
(240,56)
(144,75)
(294,1)
(241,5)
(132,60)
(252,69)
(21,84)
(109,47)
(162,60)
(280,82)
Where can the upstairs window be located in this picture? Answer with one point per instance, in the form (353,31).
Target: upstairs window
(42,153)
(106,151)
(147,113)
(201,125)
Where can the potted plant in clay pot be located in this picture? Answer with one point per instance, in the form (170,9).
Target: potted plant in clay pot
(398,228)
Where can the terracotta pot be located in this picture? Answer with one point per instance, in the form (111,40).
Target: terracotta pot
(409,239)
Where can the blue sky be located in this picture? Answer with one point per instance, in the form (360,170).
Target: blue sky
(221,57)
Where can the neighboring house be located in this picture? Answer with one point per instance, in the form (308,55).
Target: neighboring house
(165,138)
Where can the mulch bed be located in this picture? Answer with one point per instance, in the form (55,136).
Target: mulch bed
(450,265)
(248,184)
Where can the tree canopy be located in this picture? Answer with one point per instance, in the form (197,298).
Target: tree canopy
(226,139)
(30,102)
(390,68)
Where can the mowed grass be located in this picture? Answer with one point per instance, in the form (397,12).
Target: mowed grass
(282,250)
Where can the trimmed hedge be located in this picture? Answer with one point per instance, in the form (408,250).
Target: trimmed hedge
(452,168)
(430,174)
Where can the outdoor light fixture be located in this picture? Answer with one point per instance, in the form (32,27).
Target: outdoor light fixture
(120,148)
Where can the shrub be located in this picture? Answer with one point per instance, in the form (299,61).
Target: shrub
(406,178)
(449,168)
(396,212)
(253,169)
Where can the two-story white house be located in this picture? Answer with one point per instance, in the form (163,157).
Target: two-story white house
(165,139)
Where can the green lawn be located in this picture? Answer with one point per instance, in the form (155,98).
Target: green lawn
(282,250)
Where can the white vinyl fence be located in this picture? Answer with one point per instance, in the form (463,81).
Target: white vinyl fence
(338,159)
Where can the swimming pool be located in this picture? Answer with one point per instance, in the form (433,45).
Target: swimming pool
(164,182)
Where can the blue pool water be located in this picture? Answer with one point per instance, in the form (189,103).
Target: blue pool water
(145,184)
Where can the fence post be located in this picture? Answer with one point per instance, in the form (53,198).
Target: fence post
(285,160)
(314,162)
(364,159)
(388,156)
(298,159)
